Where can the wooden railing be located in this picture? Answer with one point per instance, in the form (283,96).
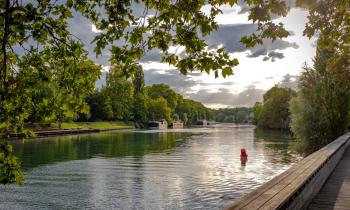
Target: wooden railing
(296,187)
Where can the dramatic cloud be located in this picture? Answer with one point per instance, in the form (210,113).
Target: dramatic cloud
(173,78)
(287,54)
(273,56)
(229,37)
(269,47)
(258,52)
(223,97)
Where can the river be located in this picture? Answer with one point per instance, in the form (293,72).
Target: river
(196,168)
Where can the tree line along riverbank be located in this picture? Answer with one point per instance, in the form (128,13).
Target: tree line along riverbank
(68,128)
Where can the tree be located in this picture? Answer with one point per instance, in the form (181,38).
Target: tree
(158,109)
(257,112)
(275,110)
(192,111)
(233,115)
(138,80)
(100,106)
(67,81)
(163,90)
(176,117)
(10,168)
(240,116)
(320,110)
(140,109)
(119,91)
(184,118)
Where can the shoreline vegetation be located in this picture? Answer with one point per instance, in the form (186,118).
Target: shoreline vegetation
(72,128)
(94,125)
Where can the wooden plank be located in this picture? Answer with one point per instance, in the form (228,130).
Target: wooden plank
(269,192)
(294,184)
(272,183)
(277,191)
(336,192)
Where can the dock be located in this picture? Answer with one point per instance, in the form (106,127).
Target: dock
(335,194)
(319,181)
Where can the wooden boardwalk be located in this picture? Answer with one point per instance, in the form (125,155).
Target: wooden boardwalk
(335,194)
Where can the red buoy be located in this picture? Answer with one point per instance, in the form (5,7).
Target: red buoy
(244,156)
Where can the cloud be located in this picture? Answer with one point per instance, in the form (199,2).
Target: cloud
(210,92)
(268,49)
(247,97)
(174,78)
(152,55)
(273,55)
(229,37)
(258,52)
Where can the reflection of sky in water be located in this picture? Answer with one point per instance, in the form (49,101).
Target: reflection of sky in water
(146,170)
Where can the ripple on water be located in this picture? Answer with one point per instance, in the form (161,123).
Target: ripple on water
(144,171)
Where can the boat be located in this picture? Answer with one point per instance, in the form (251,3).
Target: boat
(158,125)
(178,124)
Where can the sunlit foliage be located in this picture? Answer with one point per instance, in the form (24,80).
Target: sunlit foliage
(320,112)
(274,112)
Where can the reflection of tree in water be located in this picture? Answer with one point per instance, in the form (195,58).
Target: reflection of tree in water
(279,142)
(44,151)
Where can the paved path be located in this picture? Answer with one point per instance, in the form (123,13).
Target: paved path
(335,194)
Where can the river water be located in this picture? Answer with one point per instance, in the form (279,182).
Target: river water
(175,169)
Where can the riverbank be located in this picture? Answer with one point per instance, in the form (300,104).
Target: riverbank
(95,125)
(53,129)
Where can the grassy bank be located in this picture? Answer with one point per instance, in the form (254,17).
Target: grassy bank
(52,129)
(95,125)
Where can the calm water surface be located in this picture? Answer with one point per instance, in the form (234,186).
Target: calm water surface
(174,169)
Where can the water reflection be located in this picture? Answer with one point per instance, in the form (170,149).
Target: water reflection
(114,144)
(277,145)
(185,169)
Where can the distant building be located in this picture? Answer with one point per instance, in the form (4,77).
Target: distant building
(158,125)
(178,124)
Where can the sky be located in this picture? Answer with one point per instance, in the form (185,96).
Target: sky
(260,68)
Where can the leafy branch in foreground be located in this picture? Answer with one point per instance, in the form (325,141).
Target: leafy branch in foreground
(10,168)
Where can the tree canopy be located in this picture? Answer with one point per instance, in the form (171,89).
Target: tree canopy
(274,113)
(163,90)
(320,111)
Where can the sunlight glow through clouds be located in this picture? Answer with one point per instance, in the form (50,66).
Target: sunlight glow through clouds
(265,74)
(253,73)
